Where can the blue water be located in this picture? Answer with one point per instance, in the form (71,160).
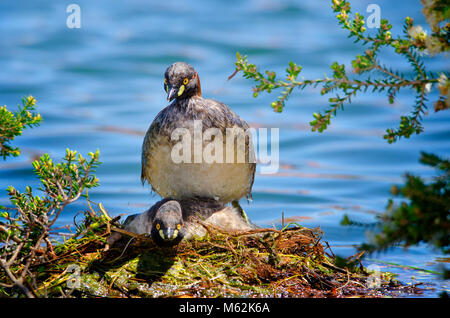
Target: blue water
(100,86)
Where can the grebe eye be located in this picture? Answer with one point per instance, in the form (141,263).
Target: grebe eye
(158,226)
(185,81)
(178,227)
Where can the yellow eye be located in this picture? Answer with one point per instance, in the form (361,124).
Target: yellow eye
(158,226)
(178,227)
(185,81)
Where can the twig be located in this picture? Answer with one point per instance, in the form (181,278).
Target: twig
(237,233)
(348,281)
(18,282)
(123,251)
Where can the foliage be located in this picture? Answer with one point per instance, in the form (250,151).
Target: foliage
(412,45)
(24,228)
(12,124)
(424,217)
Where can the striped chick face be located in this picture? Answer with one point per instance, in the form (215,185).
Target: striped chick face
(168,227)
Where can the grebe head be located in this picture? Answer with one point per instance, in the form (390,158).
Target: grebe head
(168,228)
(181,81)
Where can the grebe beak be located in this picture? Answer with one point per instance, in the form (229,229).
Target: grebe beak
(169,234)
(173,93)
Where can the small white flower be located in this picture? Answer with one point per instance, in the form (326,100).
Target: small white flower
(416,32)
(442,79)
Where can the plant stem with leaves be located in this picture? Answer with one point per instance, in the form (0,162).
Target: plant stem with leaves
(347,86)
(12,124)
(26,227)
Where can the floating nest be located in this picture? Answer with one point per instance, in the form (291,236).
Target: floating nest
(293,262)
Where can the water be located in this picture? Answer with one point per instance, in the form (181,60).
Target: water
(101,86)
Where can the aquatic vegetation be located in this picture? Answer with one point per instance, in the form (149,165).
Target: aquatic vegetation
(411,45)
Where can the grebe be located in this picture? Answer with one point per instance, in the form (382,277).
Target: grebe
(222,180)
(170,221)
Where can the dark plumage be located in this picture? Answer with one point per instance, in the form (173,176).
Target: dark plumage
(169,221)
(222,181)
(163,221)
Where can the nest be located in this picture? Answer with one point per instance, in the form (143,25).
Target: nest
(293,262)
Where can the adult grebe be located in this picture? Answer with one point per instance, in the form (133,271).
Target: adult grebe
(223,179)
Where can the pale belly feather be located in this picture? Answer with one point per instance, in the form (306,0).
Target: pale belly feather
(221,181)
